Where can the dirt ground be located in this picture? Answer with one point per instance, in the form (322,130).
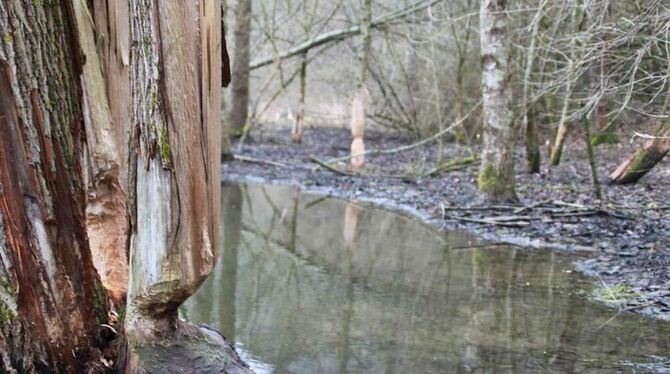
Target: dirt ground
(624,241)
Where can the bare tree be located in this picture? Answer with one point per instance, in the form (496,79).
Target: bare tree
(361,96)
(496,177)
(239,111)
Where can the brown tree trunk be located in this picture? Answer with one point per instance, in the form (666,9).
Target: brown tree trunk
(175,75)
(496,176)
(239,111)
(640,162)
(51,301)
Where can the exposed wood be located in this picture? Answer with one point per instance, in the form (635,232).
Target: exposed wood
(175,80)
(106,214)
(640,162)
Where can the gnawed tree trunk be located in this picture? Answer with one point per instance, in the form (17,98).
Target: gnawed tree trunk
(175,76)
(299,122)
(239,111)
(361,96)
(640,162)
(496,176)
(51,301)
(106,213)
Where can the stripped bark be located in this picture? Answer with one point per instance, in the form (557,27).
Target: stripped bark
(51,301)
(106,214)
(496,176)
(360,99)
(175,76)
(640,162)
(174,157)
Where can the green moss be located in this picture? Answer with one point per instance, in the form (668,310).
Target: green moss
(8,286)
(604,138)
(164,146)
(6,315)
(100,302)
(615,294)
(489,181)
(7,38)
(154,101)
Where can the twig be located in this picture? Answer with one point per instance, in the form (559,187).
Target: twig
(259,161)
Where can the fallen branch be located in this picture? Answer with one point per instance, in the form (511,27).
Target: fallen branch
(331,168)
(487,221)
(259,161)
(454,165)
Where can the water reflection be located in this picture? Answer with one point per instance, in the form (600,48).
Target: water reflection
(308,284)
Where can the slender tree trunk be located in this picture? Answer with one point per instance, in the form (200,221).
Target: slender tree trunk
(51,301)
(175,76)
(361,96)
(570,81)
(239,111)
(496,176)
(532,141)
(299,122)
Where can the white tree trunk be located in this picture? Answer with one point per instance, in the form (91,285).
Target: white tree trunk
(496,177)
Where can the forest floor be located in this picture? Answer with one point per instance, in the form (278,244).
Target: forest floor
(624,240)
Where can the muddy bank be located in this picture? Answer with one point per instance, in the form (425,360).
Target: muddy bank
(623,240)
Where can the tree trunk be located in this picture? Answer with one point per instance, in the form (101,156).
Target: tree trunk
(640,162)
(299,122)
(239,111)
(226,147)
(496,176)
(361,97)
(570,82)
(51,301)
(532,140)
(175,81)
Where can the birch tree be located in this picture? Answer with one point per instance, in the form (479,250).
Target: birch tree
(496,176)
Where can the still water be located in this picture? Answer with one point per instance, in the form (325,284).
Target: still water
(310,284)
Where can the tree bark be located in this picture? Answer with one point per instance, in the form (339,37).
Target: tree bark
(239,111)
(175,85)
(496,176)
(51,300)
(174,149)
(640,162)
(299,122)
(361,97)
